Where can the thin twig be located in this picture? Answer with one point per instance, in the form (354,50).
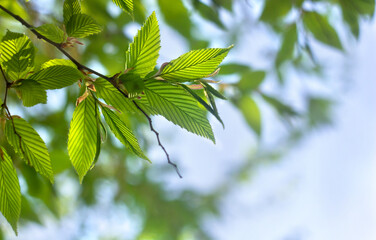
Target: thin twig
(8,84)
(159,140)
(80,67)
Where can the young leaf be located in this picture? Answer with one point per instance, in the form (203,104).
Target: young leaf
(81,25)
(70,8)
(194,64)
(321,29)
(58,62)
(122,132)
(52,32)
(113,97)
(126,5)
(177,106)
(82,139)
(213,90)
(56,77)
(203,103)
(143,53)
(31,93)
(10,193)
(16,54)
(27,142)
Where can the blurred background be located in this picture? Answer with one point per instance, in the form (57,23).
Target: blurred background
(295,161)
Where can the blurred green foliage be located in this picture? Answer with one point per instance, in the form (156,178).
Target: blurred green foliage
(297,24)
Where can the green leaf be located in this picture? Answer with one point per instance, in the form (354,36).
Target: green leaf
(10,193)
(177,16)
(113,97)
(194,64)
(70,8)
(177,106)
(57,77)
(286,50)
(274,10)
(58,62)
(27,142)
(233,68)
(31,93)
(122,132)
(82,139)
(321,29)
(17,55)
(52,32)
(143,53)
(212,90)
(250,81)
(133,83)
(203,103)
(126,5)
(251,113)
(209,13)
(81,25)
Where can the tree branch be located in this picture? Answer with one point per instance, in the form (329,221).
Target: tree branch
(83,67)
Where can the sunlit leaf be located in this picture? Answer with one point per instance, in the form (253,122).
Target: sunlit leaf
(17,54)
(203,103)
(58,62)
(122,132)
(10,194)
(194,64)
(143,53)
(177,106)
(52,32)
(27,142)
(82,139)
(70,8)
(31,93)
(56,77)
(126,5)
(81,25)
(113,97)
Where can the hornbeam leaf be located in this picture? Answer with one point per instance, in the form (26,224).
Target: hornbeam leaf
(31,93)
(17,54)
(122,132)
(56,77)
(143,53)
(82,139)
(52,32)
(126,5)
(27,142)
(113,97)
(10,194)
(177,106)
(194,64)
(82,25)
(58,62)
(70,8)
(203,103)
